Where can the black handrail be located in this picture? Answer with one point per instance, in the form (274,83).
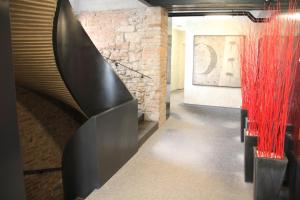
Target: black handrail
(129,68)
(41,171)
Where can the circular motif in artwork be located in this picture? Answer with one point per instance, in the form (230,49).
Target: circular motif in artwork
(206,58)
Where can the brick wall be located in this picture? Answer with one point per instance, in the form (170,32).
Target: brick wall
(138,39)
(45,128)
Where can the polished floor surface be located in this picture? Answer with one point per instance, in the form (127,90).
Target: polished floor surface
(195,155)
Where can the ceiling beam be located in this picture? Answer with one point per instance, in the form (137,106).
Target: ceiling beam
(198,5)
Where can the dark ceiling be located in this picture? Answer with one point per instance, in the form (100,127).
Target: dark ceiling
(202,5)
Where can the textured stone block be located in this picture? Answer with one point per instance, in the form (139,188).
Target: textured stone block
(137,38)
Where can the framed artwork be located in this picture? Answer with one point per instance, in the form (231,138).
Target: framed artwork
(217,60)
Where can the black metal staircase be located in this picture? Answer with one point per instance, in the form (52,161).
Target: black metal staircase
(109,138)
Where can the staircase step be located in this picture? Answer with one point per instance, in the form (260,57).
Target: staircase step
(141,117)
(146,129)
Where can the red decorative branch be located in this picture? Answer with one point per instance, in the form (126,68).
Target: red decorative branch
(268,70)
(276,71)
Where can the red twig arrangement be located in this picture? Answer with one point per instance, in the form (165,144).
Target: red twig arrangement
(268,74)
(249,79)
(276,73)
(294,107)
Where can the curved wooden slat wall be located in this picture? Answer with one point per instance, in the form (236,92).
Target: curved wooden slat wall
(32,46)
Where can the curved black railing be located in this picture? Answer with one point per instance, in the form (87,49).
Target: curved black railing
(90,79)
(107,140)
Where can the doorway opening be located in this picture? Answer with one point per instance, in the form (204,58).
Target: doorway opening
(204,54)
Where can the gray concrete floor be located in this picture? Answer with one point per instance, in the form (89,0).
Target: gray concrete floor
(195,155)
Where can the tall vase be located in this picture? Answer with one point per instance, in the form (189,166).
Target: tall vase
(294,177)
(244,115)
(288,148)
(268,177)
(250,143)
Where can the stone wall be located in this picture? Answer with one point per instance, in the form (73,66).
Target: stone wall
(45,126)
(136,38)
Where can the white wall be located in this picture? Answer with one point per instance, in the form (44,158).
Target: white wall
(101,5)
(208,95)
(178,59)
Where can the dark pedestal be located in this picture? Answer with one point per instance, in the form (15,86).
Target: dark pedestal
(288,147)
(294,177)
(268,177)
(244,115)
(250,142)
(289,128)
(288,143)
